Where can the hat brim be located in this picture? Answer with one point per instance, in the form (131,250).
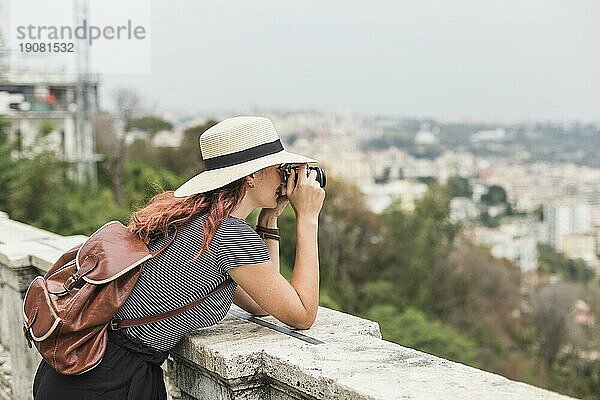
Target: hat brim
(214,179)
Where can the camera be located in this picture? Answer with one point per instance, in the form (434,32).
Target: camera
(321,177)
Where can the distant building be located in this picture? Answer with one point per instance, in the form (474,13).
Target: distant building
(425,137)
(393,160)
(41,103)
(489,135)
(48,109)
(421,168)
(168,138)
(463,209)
(479,190)
(314,123)
(380,196)
(595,215)
(452,163)
(516,241)
(349,167)
(159,139)
(567,216)
(580,245)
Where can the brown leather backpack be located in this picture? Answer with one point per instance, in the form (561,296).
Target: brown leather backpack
(68,311)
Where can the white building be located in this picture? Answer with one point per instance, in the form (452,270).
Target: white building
(392,159)
(168,138)
(419,168)
(463,209)
(452,163)
(565,217)
(425,137)
(580,245)
(349,167)
(381,196)
(516,241)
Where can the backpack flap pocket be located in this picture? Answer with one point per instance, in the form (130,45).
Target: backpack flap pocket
(40,317)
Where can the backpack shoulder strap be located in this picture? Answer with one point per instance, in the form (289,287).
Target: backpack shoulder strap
(117,323)
(157,252)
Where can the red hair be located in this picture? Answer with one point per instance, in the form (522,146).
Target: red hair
(165,210)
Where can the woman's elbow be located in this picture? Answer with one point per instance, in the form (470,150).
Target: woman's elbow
(260,314)
(306,324)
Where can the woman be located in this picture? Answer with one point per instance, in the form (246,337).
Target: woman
(243,159)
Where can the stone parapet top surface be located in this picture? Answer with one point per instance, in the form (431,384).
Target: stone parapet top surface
(353,363)
(22,245)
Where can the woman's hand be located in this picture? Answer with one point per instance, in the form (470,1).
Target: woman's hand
(306,196)
(267,214)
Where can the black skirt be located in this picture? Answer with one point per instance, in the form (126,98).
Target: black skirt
(129,371)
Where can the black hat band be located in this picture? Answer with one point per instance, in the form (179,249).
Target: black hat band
(240,157)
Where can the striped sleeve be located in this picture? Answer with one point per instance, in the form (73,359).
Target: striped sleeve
(239,244)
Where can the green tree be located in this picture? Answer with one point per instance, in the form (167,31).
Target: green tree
(553,262)
(34,186)
(549,260)
(150,124)
(40,193)
(385,176)
(478,295)
(551,314)
(459,187)
(576,376)
(428,180)
(412,328)
(143,181)
(414,248)
(577,270)
(539,213)
(6,163)
(46,127)
(489,221)
(495,195)
(185,160)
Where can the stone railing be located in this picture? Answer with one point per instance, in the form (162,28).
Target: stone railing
(341,357)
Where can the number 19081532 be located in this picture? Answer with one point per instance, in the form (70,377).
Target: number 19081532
(43,47)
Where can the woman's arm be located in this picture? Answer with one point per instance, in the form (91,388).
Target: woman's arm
(296,302)
(245,302)
(267,220)
(305,276)
(241,298)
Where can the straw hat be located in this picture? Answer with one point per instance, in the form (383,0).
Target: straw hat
(237,147)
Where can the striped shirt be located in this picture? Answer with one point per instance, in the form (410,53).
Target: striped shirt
(173,279)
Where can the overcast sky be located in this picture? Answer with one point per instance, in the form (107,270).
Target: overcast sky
(506,60)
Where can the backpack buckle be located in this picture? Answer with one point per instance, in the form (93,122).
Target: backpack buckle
(115,324)
(27,335)
(70,282)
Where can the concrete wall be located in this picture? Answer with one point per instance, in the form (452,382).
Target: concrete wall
(241,359)
(25,252)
